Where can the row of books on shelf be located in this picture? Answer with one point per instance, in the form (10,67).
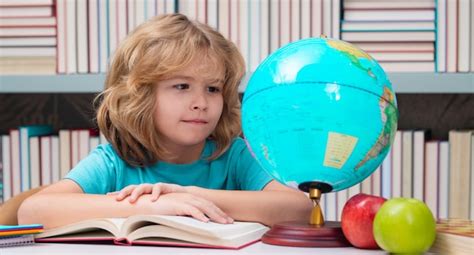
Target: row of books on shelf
(400,22)
(27,36)
(88,32)
(455,36)
(81,36)
(32,156)
(424,36)
(437,172)
(440,173)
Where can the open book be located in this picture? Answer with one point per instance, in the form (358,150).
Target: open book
(157,230)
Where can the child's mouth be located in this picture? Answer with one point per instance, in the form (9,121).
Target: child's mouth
(196,121)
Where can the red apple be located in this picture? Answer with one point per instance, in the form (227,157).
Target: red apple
(357,220)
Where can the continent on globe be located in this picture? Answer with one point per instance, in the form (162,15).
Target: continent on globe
(389,116)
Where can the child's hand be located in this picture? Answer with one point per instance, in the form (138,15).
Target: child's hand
(190,205)
(135,191)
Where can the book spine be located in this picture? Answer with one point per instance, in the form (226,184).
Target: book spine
(82,41)
(443,181)
(71,41)
(305,18)
(441,36)
(274,25)
(93,30)
(7,170)
(264,32)
(212,13)
(387,176)
(397,165)
(407,163)
(254,34)
(464,37)
(418,164)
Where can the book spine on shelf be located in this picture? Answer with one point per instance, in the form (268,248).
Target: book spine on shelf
(6,168)
(82,41)
(93,35)
(376,184)
(254,43)
(274,14)
(212,11)
(464,29)
(243,32)
(397,165)
(431,190)
(387,175)
(441,36)
(443,180)
(459,173)
(407,163)
(419,164)
(71,42)
(264,32)
(451,36)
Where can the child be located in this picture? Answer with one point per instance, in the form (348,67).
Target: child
(171,112)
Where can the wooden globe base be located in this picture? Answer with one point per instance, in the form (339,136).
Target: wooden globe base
(302,234)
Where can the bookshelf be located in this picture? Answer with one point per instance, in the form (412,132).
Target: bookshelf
(424,83)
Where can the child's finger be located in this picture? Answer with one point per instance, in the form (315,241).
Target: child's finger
(138,191)
(125,192)
(212,211)
(170,188)
(156,192)
(196,213)
(224,215)
(112,193)
(167,188)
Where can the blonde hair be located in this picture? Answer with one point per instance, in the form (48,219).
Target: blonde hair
(158,47)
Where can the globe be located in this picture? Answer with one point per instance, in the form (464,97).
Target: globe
(321,113)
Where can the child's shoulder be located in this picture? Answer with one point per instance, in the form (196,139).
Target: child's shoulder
(105,147)
(238,144)
(237,147)
(106,150)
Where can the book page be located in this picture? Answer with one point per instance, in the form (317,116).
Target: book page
(188,224)
(162,235)
(111,225)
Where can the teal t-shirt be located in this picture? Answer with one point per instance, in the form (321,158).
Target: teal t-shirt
(104,171)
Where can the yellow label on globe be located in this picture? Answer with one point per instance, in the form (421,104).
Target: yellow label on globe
(338,149)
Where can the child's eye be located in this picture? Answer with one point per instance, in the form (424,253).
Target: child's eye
(181,86)
(213,89)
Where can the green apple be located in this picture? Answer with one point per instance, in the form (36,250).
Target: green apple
(404,225)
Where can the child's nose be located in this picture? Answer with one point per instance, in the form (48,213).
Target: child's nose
(199,102)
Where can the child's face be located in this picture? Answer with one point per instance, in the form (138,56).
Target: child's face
(189,103)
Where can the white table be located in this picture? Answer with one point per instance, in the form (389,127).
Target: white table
(255,249)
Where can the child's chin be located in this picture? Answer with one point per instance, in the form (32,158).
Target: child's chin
(193,141)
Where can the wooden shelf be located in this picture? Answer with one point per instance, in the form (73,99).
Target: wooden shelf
(74,83)
(424,83)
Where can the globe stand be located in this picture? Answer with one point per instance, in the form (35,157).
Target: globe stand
(316,233)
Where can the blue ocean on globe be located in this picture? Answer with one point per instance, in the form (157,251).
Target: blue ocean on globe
(319,110)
